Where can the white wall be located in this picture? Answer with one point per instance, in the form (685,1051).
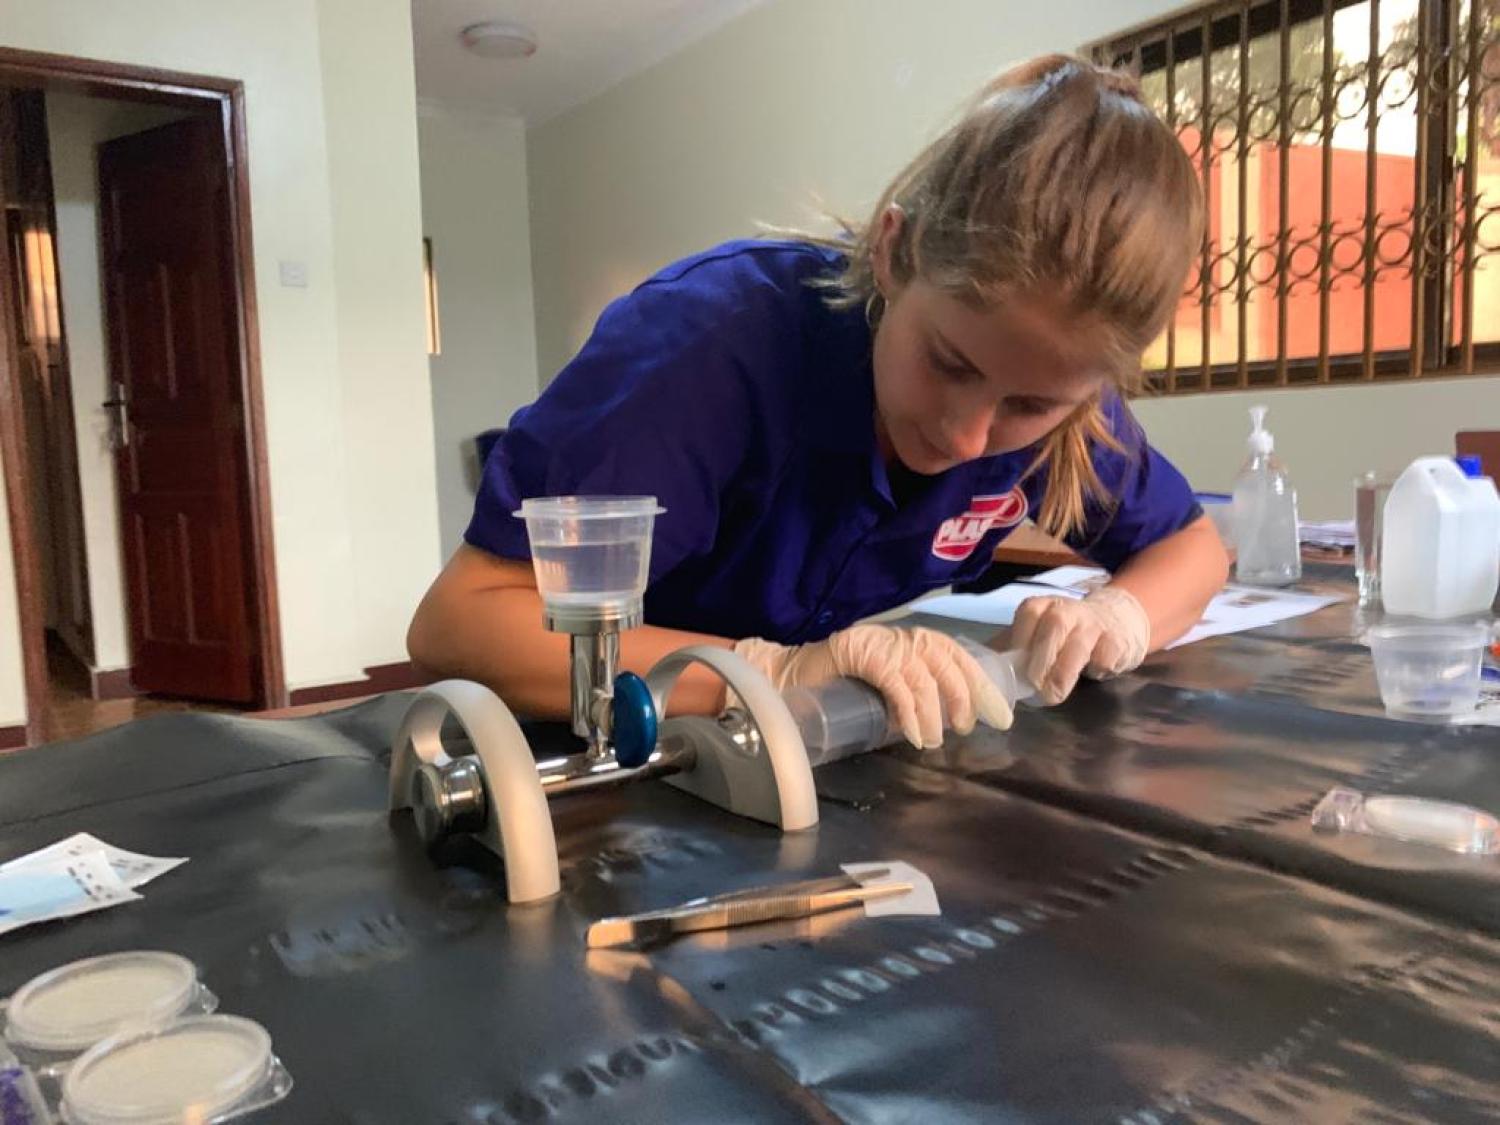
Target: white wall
(330,109)
(1326,435)
(76,126)
(795,102)
(369,99)
(802,99)
(474,208)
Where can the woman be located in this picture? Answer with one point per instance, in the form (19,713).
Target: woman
(837,427)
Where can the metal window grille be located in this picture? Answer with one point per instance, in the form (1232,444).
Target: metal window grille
(1349,155)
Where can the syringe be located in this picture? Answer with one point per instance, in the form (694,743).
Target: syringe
(848,717)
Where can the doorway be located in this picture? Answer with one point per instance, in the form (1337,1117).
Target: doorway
(130,417)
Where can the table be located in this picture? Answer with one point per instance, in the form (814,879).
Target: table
(1138,926)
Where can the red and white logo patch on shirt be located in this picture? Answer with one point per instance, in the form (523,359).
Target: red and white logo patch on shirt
(957,537)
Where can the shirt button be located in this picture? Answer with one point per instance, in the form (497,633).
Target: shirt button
(825,617)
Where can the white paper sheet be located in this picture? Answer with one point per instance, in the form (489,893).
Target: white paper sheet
(998,607)
(133,869)
(1234,609)
(1079,580)
(1237,609)
(921,899)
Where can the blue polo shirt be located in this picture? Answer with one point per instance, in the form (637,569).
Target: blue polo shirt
(728,389)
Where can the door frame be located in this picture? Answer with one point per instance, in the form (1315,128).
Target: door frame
(227,96)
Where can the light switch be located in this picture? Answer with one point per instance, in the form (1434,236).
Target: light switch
(293,274)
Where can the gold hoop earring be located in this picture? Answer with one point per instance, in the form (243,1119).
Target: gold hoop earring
(874,308)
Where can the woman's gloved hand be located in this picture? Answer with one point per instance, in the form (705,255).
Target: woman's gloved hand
(1106,634)
(923,675)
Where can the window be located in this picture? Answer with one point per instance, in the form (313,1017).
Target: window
(1349,154)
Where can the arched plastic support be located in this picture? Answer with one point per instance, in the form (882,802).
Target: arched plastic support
(774,785)
(518,823)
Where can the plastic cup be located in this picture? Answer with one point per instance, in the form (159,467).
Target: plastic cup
(1428,671)
(591,554)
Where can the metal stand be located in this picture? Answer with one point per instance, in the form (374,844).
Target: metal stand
(750,762)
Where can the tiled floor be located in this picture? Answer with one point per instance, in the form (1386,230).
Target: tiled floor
(71,713)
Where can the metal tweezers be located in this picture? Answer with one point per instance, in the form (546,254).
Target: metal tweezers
(743,908)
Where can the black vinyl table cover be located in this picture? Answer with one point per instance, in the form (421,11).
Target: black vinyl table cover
(1137,927)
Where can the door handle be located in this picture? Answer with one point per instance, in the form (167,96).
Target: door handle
(119,420)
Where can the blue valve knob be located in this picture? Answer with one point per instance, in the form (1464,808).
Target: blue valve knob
(634,714)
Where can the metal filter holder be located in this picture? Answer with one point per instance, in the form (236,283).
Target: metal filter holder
(750,761)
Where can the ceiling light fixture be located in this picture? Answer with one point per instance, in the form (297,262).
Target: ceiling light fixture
(498,39)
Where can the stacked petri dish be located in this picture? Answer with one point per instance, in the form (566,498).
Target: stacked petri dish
(130,1039)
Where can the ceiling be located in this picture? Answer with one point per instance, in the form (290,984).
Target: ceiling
(585,47)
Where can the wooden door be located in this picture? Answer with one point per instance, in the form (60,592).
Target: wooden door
(180,423)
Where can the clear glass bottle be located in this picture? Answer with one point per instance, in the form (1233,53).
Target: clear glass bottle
(1265,514)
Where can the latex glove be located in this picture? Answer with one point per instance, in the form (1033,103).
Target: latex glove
(1105,634)
(923,674)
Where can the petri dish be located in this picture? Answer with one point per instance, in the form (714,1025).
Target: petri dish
(1442,824)
(70,1008)
(193,1069)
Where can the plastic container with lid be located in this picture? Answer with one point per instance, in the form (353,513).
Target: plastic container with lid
(1440,554)
(1486,496)
(202,1068)
(66,1010)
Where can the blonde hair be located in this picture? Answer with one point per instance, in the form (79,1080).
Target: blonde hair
(1056,181)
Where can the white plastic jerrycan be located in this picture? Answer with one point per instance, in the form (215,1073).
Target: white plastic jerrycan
(1441,544)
